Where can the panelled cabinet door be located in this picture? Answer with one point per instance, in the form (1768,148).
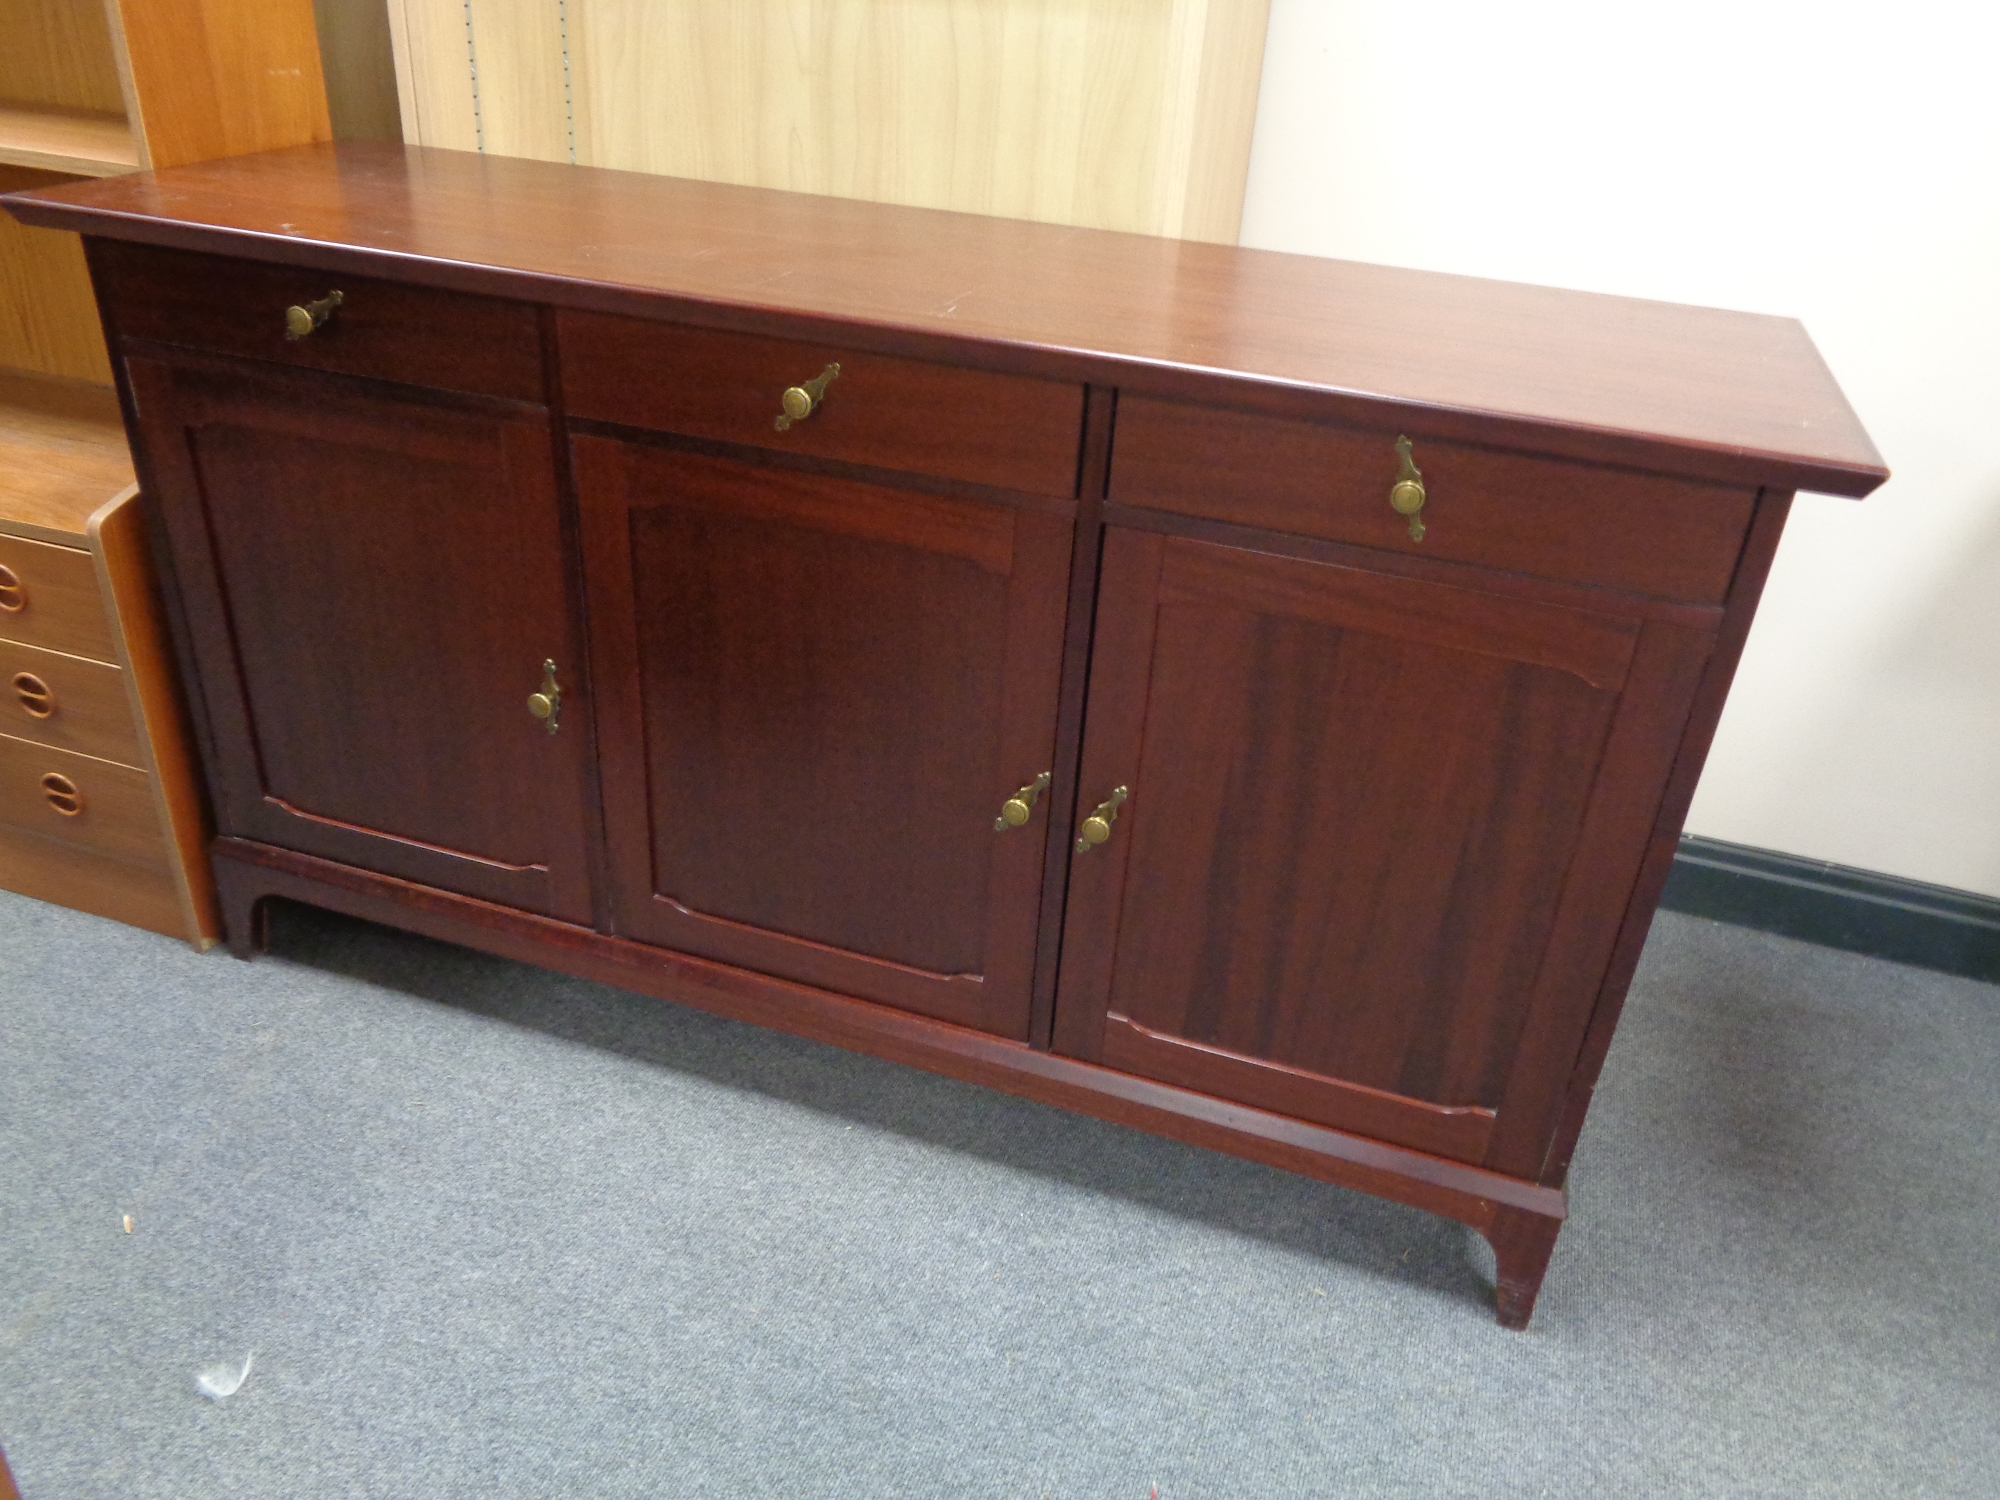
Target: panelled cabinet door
(1366,819)
(374,584)
(817,697)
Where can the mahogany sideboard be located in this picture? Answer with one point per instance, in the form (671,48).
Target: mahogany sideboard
(1243,696)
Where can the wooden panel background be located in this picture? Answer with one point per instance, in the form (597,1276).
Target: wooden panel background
(58,52)
(1114,114)
(48,319)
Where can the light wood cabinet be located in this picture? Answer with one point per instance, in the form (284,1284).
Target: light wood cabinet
(1129,684)
(95,88)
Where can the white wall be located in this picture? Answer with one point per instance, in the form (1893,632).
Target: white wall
(1832,161)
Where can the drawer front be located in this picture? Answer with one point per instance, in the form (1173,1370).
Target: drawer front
(68,702)
(1010,431)
(1646,534)
(384,329)
(89,803)
(49,598)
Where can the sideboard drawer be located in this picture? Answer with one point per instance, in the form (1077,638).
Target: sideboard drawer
(89,803)
(1582,523)
(49,597)
(384,329)
(66,701)
(1011,431)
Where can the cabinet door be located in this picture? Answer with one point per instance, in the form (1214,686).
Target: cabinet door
(372,584)
(1369,865)
(816,695)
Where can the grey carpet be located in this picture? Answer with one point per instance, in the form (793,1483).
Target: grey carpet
(492,1232)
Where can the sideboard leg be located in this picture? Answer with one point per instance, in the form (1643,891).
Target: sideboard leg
(244,924)
(1522,1244)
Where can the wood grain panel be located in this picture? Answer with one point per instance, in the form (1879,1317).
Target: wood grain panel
(892,413)
(213,78)
(85,707)
(64,874)
(381,329)
(1121,114)
(156,706)
(383,580)
(62,455)
(72,141)
(58,52)
(1726,396)
(1642,532)
(818,695)
(117,817)
(1345,844)
(52,600)
(48,317)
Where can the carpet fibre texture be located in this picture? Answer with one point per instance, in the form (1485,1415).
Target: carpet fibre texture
(494,1232)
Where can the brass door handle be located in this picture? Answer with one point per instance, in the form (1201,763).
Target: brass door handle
(1017,809)
(547,704)
(36,699)
(1406,495)
(1096,828)
(300,321)
(801,401)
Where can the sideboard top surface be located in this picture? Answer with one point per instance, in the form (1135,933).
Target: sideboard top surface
(1731,396)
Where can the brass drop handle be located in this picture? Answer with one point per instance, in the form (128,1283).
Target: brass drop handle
(1406,495)
(1017,809)
(1096,828)
(13,596)
(300,321)
(801,401)
(547,704)
(62,794)
(36,699)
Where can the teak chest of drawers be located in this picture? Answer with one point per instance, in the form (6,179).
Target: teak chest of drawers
(1246,697)
(99,807)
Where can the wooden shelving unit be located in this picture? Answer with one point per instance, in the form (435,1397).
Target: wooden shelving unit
(92,88)
(87,144)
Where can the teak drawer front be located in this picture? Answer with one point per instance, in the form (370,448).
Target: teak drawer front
(67,701)
(114,809)
(49,598)
(1010,431)
(384,329)
(1648,534)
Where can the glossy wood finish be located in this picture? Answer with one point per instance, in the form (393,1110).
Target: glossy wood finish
(381,579)
(816,695)
(1643,533)
(888,413)
(81,705)
(1317,758)
(381,329)
(52,599)
(1394,814)
(1735,397)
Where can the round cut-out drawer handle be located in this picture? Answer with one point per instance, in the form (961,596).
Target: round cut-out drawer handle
(300,321)
(36,699)
(801,401)
(62,794)
(13,593)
